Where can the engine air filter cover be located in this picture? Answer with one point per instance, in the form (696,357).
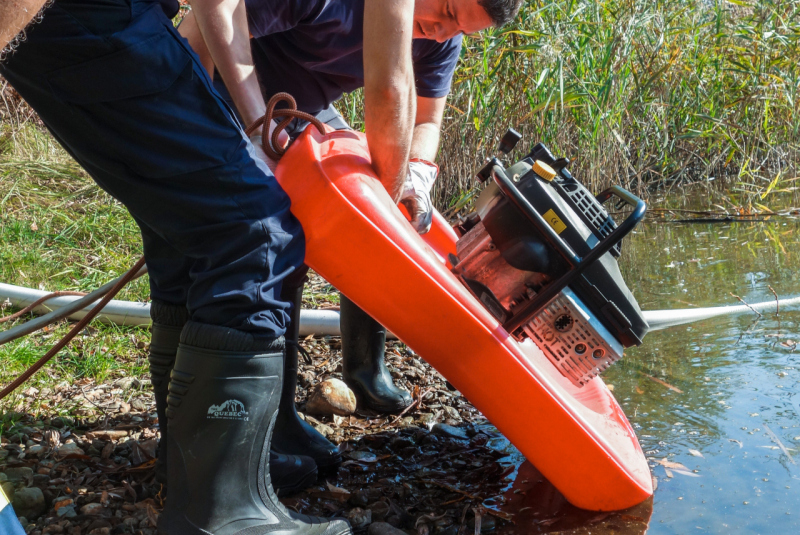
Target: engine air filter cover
(573,339)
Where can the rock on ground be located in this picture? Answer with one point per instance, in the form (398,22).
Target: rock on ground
(331,396)
(29,502)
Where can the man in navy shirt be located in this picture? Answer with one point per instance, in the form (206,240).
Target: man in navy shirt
(317,50)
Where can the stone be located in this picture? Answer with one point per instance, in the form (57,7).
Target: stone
(70,448)
(359,518)
(98,524)
(363,456)
(127,383)
(36,449)
(382,528)
(379,510)
(452,412)
(60,421)
(444,430)
(331,396)
(67,511)
(427,419)
(100,531)
(23,473)
(29,502)
(92,509)
(8,488)
(324,430)
(407,421)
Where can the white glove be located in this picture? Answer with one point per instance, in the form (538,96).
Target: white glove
(416,196)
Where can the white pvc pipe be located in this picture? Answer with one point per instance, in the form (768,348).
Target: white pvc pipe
(326,322)
(316,322)
(661,319)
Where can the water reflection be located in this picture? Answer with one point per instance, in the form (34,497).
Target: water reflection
(539,508)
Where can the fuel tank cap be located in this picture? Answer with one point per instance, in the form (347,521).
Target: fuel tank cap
(544,170)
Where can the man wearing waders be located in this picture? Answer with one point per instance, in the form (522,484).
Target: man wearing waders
(316,51)
(128,99)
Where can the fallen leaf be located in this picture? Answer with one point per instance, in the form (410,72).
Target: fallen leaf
(696,453)
(152,516)
(670,464)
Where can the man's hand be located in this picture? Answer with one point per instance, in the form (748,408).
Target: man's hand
(416,196)
(257,140)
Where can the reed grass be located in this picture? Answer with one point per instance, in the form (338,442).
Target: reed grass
(647,94)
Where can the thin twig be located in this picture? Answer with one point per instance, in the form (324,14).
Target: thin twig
(774,437)
(663,383)
(777,301)
(745,303)
(777,313)
(414,404)
(90,401)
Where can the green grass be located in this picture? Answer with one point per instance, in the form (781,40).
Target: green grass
(59,231)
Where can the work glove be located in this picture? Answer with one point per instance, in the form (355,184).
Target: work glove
(416,196)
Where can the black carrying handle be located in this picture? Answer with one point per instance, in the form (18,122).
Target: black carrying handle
(577,264)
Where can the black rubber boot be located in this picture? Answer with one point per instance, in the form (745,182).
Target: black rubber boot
(168,321)
(363,367)
(290,473)
(293,435)
(223,400)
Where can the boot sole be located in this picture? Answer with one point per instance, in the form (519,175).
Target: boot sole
(361,401)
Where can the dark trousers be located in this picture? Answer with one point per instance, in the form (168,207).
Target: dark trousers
(126,96)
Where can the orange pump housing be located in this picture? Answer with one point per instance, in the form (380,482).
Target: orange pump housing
(358,240)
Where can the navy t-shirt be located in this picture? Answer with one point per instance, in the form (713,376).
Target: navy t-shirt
(313,50)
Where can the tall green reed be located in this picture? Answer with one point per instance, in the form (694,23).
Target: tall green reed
(646,94)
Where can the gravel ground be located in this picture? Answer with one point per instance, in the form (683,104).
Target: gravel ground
(428,471)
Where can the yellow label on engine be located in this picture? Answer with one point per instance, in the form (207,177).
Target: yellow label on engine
(554,221)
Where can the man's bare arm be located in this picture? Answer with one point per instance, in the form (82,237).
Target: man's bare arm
(389,95)
(191,31)
(14,16)
(427,127)
(223,25)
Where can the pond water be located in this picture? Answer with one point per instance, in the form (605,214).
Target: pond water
(727,407)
